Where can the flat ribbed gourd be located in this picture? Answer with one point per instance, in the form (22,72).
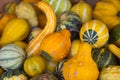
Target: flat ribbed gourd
(34,44)
(95,33)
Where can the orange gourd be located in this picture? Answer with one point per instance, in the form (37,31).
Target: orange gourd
(34,44)
(56,45)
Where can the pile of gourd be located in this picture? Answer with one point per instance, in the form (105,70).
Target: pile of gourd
(60,40)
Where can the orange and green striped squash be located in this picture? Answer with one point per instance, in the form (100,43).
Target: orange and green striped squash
(95,33)
(34,44)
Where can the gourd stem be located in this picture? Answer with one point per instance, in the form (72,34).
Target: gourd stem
(118,14)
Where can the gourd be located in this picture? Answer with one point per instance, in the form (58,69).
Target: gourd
(84,10)
(34,44)
(56,45)
(4,20)
(11,57)
(95,33)
(31,1)
(114,49)
(15,30)
(107,12)
(103,57)
(74,47)
(115,35)
(34,65)
(71,21)
(14,75)
(26,11)
(59,6)
(110,73)
(81,65)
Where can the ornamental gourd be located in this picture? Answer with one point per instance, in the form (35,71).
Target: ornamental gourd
(84,10)
(95,33)
(34,44)
(81,66)
(107,12)
(14,75)
(11,57)
(56,45)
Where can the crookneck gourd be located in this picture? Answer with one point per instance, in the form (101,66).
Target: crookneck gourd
(81,66)
(34,44)
(95,33)
(56,45)
(108,12)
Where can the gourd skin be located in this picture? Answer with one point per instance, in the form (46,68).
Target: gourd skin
(34,44)
(57,45)
(81,65)
(107,12)
(95,33)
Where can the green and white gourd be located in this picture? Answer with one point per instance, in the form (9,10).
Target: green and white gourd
(11,57)
(59,6)
(71,21)
(103,57)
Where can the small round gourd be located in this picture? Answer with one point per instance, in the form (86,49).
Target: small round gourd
(14,75)
(71,21)
(95,33)
(59,6)
(11,57)
(103,57)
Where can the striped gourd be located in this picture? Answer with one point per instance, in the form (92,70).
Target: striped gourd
(84,10)
(34,44)
(59,6)
(11,57)
(103,57)
(95,33)
(71,21)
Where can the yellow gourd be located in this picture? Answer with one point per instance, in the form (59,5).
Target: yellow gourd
(114,49)
(107,12)
(15,30)
(81,66)
(21,44)
(84,10)
(34,44)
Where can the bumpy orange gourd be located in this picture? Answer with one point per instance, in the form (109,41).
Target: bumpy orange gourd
(57,45)
(81,66)
(34,45)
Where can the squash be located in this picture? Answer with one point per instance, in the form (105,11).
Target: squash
(115,35)
(103,57)
(34,32)
(81,66)
(27,11)
(56,45)
(114,49)
(14,75)
(84,10)
(45,76)
(110,73)
(4,20)
(95,33)
(31,1)
(107,12)
(11,57)
(74,47)
(17,29)
(1,71)
(71,21)
(59,6)
(34,45)
(34,65)
(59,67)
